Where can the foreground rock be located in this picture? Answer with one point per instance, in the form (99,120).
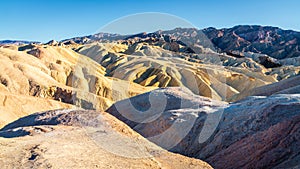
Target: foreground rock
(13,107)
(257,132)
(82,139)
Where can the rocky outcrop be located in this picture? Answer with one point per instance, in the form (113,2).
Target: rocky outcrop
(257,132)
(82,139)
(52,43)
(265,60)
(269,62)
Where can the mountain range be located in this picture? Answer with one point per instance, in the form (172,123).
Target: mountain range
(181,98)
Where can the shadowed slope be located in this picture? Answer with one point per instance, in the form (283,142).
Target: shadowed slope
(257,132)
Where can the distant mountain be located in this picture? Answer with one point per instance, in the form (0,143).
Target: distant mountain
(272,41)
(16,42)
(99,37)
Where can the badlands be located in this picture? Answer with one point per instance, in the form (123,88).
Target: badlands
(182,98)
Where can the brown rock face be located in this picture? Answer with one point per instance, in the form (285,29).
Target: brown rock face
(276,147)
(257,132)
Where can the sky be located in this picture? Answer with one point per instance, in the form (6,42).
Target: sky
(43,20)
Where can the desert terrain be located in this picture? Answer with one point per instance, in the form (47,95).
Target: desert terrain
(181,98)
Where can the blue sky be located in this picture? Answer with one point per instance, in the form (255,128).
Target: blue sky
(44,20)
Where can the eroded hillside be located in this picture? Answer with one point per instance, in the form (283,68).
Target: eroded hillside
(185,90)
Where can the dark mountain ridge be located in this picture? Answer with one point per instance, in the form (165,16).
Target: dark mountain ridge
(272,41)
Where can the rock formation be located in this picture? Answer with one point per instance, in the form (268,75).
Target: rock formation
(82,139)
(257,132)
(226,96)
(54,76)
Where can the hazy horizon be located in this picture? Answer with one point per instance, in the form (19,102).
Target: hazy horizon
(29,40)
(43,21)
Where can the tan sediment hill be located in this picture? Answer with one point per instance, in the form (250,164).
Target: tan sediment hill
(213,75)
(287,86)
(257,132)
(12,106)
(55,77)
(180,56)
(82,139)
